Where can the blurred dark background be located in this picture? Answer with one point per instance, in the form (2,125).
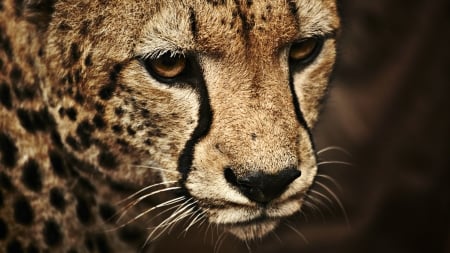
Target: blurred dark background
(389,107)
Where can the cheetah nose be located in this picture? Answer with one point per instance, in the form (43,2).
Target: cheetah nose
(261,187)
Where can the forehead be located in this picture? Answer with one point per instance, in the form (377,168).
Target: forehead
(215,25)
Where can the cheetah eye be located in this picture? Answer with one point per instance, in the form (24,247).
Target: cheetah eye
(167,66)
(305,51)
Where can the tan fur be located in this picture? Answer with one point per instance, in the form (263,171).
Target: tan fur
(83,57)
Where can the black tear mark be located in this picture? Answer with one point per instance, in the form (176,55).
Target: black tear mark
(31,175)
(8,150)
(52,233)
(205,119)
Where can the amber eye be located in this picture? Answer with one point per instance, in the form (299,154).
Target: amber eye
(167,66)
(305,50)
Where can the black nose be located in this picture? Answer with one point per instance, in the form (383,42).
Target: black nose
(261,187)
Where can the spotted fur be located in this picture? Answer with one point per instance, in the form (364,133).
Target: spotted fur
(84,125)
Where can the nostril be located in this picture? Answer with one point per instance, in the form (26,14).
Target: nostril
(230,176)
(261,187)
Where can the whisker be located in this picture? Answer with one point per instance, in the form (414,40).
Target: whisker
(314,207)
(219,242)
(332,180)
(338,201)
(200,216)
(333,148)
(297,232)
(319,201)
(249,249)
(167,203)
(334,162)
(144,189)
(126,208)
(155,168)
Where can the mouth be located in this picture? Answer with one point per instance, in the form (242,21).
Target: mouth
(249,223)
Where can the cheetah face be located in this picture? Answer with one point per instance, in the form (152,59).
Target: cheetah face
(221,95)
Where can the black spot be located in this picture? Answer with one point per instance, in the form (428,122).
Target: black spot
(74,53)
(57,199)
(100,108)
(293,8)
(5,96)
(145,113)
(23,213)
(31,175)
(33,121)
(14,247)
(84,131)
(84,29)
(83,209)
(8,150)
(102,244)
(15,74)
(131,131)
(5,182)
(32,249)
(131,234)
(5,45)
(88,60)
(193,22)
(118,111)
(56,138)
(107,160)
(99,122)
(72,113)
(52,233)
(63,26)
(26,92)
(2,202)
(107,90)
(3,230)
(58,163)
(73,143)
(61,112)
(77,75)
(117,129)
(89,243)
(79,98)
(108,213)
(83,185)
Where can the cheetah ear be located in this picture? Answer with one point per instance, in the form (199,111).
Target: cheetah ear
(39,12)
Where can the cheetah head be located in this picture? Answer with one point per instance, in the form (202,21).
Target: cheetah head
(220,95)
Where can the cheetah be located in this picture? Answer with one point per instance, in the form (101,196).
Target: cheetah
(118,119)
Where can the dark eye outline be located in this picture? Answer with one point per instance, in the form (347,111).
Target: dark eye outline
(297,64)
(187,75)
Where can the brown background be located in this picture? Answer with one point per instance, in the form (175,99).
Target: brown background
(389,106)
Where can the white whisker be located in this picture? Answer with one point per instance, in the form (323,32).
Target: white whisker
(297,232)
(144,189)
(338,201)
(332,180)
(155,168)
(333,148)
(334,162)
